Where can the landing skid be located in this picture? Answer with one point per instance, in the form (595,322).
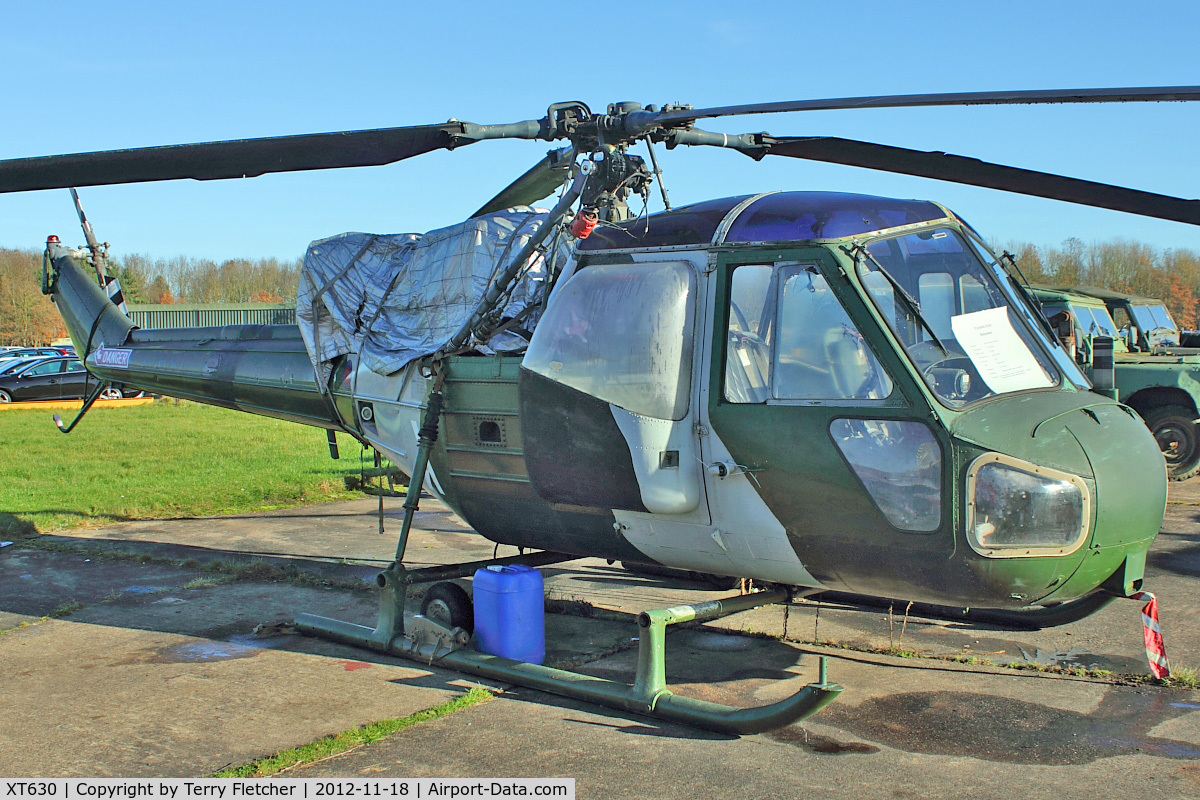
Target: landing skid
(430,642)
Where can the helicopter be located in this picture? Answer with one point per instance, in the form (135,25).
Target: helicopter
(813,390)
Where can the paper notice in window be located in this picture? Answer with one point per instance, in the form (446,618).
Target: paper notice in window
(1003,360)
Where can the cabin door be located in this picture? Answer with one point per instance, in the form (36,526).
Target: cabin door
(812,468)
(609,404)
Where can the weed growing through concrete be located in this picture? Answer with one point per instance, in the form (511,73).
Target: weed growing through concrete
(578,607)
(1186,677)
(896,648)
(348,740)
(65,610)
(209,581)
(26,624)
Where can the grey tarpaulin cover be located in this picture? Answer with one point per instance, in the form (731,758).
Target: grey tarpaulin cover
(393,298)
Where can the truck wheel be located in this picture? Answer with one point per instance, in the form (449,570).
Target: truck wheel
(1175,430)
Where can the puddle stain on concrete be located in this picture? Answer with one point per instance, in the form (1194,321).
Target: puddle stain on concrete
(203,651)
(208,650)
(1074,657)
(1007,652)
(720,642)
(1004,730)
(141,589)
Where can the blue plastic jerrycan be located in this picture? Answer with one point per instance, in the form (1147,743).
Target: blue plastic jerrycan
(510,618)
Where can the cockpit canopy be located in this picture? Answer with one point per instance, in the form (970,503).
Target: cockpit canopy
(771,217)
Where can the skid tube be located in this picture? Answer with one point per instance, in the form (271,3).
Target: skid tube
(648,696)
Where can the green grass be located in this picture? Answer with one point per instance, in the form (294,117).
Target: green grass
(1187,677)
(356,737)
(164,460)
(65,610)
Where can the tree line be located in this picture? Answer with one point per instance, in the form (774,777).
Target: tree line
(198,280)
(27,317)
(1172,276)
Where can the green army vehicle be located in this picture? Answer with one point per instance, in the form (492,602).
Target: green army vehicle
(1150,373)
(1144,322)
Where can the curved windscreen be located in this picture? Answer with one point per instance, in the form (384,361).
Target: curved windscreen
(621,333)
(953,318)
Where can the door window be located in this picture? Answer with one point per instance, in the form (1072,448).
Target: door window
(751,327)
(621,333)
(900,464)
(790,339)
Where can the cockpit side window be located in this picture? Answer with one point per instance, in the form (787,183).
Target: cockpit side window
(789,338)
(748,356)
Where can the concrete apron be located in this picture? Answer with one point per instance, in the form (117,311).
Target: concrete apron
(153,679)
(316,536)
(895,732)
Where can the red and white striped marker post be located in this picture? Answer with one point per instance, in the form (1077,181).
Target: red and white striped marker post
(1156,653)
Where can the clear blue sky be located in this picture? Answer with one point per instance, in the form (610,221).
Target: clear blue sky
(90,76)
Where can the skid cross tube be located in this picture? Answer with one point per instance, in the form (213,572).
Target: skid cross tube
(648,696)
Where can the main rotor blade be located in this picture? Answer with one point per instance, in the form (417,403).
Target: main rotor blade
(1152,94)
(973,172)
(539,182)
(241,158)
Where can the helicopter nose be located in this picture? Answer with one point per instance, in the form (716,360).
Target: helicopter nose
(1129,471)
(1099,445)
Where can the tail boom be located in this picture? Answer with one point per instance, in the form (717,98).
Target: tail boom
(261,369)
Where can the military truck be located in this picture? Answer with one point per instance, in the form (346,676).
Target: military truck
(1144,322)
(1151,374)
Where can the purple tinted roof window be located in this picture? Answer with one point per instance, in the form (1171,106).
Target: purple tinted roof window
(694,224)
(825,215)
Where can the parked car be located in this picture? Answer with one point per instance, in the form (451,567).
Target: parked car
(8,365)
(45,352)
(53,379)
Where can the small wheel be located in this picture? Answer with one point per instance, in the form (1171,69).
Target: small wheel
(5,397)
(1174,429)
(110,393)
(449,604)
